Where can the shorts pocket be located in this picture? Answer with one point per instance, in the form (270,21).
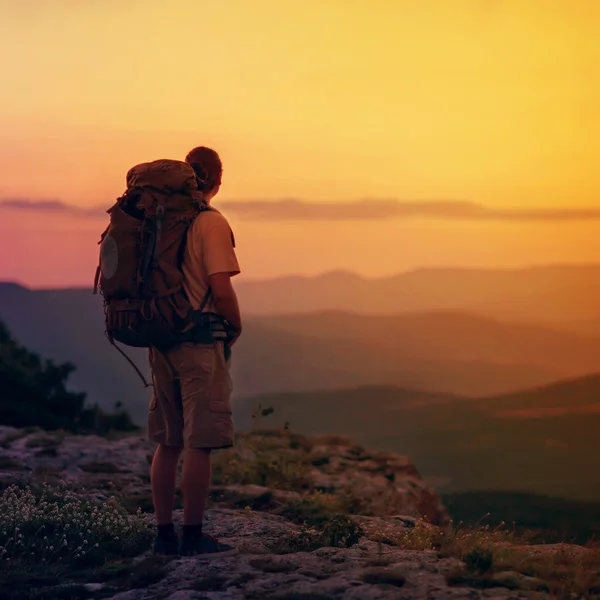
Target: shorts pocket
(220,400)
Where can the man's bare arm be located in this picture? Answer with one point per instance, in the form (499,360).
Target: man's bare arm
(226,300)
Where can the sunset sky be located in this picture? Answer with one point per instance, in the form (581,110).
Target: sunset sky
(404,104)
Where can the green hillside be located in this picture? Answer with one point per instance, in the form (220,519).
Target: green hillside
(463,444)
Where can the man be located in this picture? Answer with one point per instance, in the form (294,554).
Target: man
(190,411)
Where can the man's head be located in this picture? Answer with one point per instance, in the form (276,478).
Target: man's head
(209,169)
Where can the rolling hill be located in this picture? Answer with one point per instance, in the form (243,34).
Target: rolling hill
(442,352)
(544,440)
(547,294)
(440,335)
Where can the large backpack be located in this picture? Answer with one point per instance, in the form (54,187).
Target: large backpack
(139,272)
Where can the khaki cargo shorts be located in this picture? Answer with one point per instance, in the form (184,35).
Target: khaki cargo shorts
(191,404)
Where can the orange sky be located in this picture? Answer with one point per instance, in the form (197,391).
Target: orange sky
(491,101)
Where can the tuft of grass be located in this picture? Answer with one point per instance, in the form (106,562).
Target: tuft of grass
(338,532)
(341,532)
(314,508)
(265,460)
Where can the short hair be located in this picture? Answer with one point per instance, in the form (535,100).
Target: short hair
(207,166)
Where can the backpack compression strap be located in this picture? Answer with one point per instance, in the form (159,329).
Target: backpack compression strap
(137,370)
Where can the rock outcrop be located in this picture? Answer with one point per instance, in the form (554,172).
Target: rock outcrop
(314,519)
(379,483)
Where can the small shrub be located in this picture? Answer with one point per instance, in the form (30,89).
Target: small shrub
(61,527)
(263,461)
(420,537)
(337,532)
(341,532)
(479,560)
(314,508)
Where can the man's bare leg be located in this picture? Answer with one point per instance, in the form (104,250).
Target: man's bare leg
(163,477)
(195,482)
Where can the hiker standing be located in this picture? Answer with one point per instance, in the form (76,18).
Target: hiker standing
(186,311)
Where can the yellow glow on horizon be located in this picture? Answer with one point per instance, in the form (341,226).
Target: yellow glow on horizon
(493,101)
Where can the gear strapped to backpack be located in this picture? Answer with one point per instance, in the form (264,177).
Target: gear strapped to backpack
(139,272)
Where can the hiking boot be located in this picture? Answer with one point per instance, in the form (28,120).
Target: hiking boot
(166,545)
(204,545)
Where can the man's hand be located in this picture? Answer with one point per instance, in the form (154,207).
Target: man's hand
(238,332)
(226,302)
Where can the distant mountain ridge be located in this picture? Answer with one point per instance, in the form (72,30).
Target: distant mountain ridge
(441,349)
(547,294)
(537,294)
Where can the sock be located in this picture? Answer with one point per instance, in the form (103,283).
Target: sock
(192,531)
(166,532)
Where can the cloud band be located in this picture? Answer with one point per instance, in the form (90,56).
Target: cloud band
(299,210)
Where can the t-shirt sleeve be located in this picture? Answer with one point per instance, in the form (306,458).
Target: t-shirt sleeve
(218,252)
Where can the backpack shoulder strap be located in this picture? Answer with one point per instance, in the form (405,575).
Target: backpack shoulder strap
(205,208)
